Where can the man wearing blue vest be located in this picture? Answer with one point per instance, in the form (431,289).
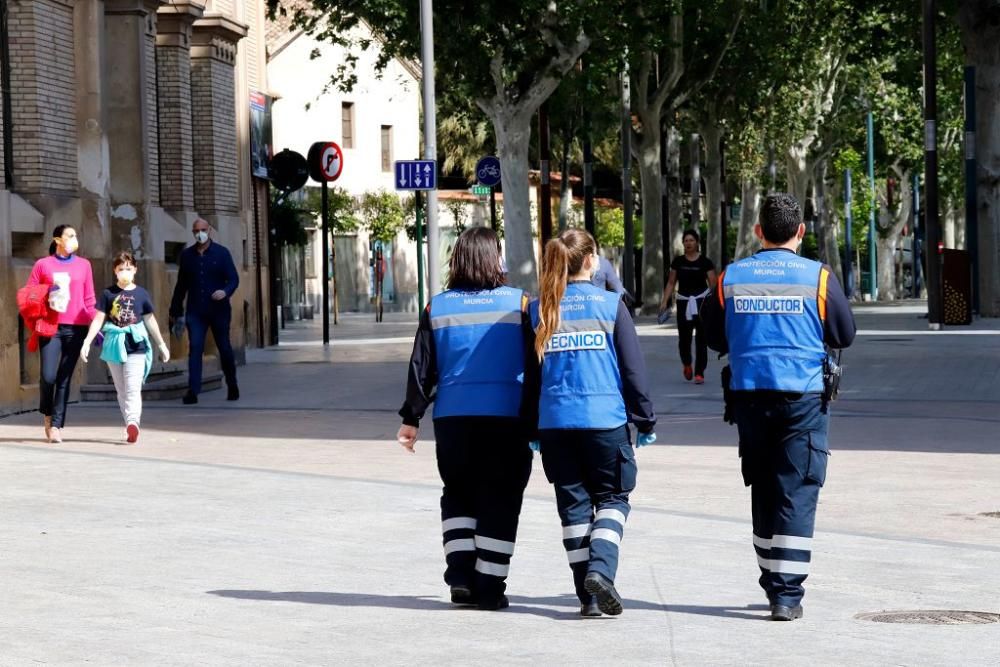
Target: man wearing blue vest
(776,314)
(468,358)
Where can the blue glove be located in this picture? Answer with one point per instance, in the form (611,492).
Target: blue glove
(645,439)
(663,317)
(535,446)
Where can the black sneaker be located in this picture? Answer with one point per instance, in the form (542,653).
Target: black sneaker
(234,393)
(608,600)
(189,399)
(462,595)
(780,612)
(493,604)
(590,609)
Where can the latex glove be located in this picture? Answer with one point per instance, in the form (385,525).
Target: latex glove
(218,295)
(177,328)
(407,437)
(164,352)
(535,446)
(645,439)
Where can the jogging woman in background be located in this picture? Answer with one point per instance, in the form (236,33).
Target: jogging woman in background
(693,275)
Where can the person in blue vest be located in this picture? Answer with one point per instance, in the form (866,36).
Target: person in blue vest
(468,358)
(776,314)
(589,377)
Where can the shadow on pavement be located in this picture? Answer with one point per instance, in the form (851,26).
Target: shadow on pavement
(519,604)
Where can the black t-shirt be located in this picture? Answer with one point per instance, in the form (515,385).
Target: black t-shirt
(125,307)
(692,277)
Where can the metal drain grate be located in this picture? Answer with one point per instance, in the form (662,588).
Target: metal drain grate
(931,617)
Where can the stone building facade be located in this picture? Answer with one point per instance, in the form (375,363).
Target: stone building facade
(128,119)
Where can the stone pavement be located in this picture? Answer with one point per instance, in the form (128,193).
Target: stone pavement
(289,528)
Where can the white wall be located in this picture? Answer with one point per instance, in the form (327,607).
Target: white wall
(393,99)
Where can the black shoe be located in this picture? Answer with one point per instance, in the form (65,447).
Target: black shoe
(608,600)
(780,612)
(189,399)
(462,595)
(590,609)
(234,393)
(493,604)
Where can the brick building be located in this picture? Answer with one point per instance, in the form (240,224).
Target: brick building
(127,119)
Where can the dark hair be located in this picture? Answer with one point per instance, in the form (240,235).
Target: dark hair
(564,257)
(124,257)
(475,260)
(693,233)
(57,233)
(780,217)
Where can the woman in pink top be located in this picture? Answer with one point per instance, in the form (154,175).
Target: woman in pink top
(72,296)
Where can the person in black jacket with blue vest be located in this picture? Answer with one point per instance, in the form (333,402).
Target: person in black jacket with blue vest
(586,380)
(776,315)
(468,358)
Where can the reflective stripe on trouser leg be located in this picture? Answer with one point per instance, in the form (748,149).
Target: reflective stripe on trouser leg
(576,514)
(459,549)
(606,536)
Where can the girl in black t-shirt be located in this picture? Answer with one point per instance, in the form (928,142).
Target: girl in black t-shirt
(694,277)
(125,318)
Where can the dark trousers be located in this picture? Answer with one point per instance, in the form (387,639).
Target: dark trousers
(59,355)
(593,472)
(685,330)
(198,325)
(784,450)
(484,463)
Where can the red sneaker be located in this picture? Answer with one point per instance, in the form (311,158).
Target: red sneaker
(132,433)
(699,379)
(688,373)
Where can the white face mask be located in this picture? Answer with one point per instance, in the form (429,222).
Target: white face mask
(125,276)
(70,246)
(201,237)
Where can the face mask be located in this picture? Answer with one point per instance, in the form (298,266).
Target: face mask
(201,237)
(70,246)
(125,276)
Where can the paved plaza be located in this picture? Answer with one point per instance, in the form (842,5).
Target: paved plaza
(290,529)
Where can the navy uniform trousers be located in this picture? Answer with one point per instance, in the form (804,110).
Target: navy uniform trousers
(484,463)
(593,471)
(784,451)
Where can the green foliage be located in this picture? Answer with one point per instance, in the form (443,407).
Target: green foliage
(609,223)
(382,214)
(341,209)
(286,220)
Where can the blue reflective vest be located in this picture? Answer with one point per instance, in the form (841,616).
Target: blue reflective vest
(479,346)
(775,304)
(581,384)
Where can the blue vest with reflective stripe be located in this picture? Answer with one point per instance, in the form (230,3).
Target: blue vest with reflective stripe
(581,382)
(773,323)
(479,347)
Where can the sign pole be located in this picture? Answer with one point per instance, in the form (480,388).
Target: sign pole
(430,140)
(493,209)
(420,256)
(848,224)
(326,265)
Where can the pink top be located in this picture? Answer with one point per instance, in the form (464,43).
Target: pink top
(53,270)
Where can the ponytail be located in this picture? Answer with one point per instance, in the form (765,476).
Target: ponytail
(564,257)
(555,275)
(56,234)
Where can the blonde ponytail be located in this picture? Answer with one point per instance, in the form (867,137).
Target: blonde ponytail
(555,275)
(564,257)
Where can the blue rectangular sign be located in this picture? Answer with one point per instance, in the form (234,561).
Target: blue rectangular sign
(416,175)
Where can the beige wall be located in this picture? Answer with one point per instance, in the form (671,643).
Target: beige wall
(109,137)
